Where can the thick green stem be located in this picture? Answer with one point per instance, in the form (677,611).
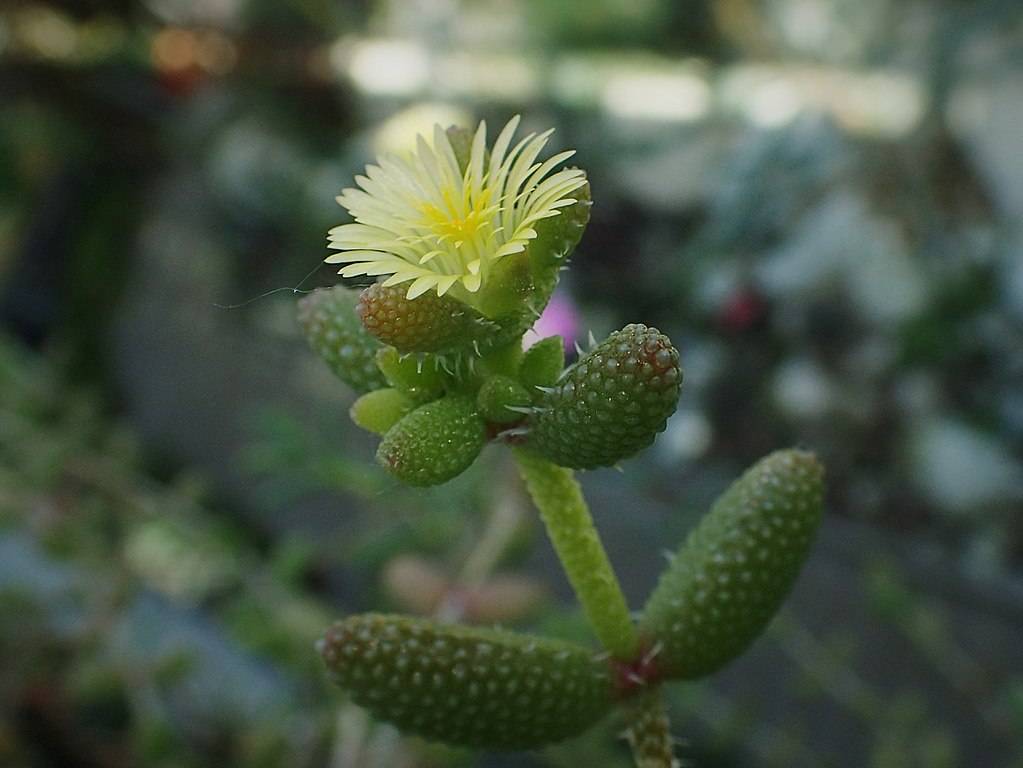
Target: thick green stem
(566,516)
(649,732)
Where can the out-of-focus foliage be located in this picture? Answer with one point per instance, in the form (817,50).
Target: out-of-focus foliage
(137,628)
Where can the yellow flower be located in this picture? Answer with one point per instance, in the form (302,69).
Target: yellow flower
(421,219)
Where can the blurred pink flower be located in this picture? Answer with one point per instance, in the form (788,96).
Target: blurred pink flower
(560,318)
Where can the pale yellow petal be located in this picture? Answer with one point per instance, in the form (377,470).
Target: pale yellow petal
(421,219)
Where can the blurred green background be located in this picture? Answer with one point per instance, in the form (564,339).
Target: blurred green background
(820,201)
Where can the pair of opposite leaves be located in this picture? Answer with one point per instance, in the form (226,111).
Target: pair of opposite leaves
(499,689)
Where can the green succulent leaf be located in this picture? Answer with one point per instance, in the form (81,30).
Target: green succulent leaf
(543,363)
(435,443)
(420,379)
(612,403)
(498,395)
(328,320)
(735,569)
(468,686)
(381,409)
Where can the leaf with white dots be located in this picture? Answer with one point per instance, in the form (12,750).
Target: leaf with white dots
(735,569)
(427,323)
(328,320)
(468,686)
(434,443)
(611,404)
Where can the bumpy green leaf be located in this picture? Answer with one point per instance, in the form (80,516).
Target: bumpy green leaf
(543,363)
(427,323)
(328,319)
(435,443)
(498,395)
(420,379)
(610,404)
(736,568)
(468,686)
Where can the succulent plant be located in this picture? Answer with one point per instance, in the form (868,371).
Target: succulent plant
(468,243)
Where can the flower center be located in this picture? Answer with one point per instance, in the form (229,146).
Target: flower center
(460,217)
(455,227)
(459,228)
